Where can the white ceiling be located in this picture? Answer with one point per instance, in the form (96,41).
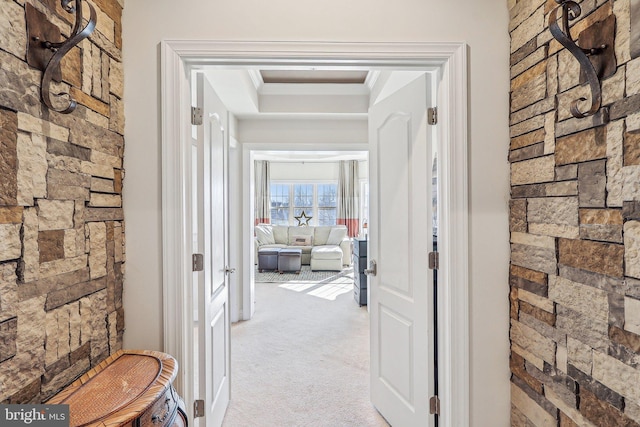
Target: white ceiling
(247,96)
(310,156)
(314,76)
(259,105)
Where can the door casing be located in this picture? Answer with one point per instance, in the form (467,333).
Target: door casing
(178,57)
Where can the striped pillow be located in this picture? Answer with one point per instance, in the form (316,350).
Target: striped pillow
(300,240)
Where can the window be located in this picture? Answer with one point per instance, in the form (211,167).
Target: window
(279,204)
(364,207)
(317,200)
(303,200)
(327,204)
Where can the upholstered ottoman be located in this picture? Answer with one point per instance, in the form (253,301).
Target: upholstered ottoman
(327,257)
(268,259)
(289,260)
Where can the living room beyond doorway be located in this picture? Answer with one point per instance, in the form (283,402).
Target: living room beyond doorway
(312,202)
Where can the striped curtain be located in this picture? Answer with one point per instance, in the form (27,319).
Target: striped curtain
(348,196)
(262,202)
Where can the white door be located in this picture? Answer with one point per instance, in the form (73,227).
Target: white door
(399,242)
(213,326)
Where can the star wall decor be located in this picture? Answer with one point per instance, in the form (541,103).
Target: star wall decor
(303,219)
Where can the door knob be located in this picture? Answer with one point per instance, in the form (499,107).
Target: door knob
(229,270)
(373,269)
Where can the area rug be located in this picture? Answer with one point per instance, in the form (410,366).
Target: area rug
(305,275)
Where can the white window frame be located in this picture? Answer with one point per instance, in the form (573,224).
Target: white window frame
(315,208)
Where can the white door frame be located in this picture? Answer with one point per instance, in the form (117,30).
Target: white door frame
(179,56)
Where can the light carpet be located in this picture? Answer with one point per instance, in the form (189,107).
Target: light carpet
(305,275)
(303,360)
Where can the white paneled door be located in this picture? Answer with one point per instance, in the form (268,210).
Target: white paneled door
(213,326)
(400,240)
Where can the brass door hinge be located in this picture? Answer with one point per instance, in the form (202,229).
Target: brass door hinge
(432,115)
(198,408)
(196,116)
(434,260)
(434,405)
(197,262)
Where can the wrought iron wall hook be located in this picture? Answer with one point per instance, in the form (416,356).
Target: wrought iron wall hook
(601,48)
(46,54)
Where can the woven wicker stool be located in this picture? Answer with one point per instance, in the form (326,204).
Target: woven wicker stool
(290,260)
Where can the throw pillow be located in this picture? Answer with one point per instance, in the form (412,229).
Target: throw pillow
(301,240)
(264,234)
(336,236)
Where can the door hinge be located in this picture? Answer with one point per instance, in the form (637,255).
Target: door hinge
(434,260)
(196,116)
(197,262)
(198,408)
(432,115)
(434,405)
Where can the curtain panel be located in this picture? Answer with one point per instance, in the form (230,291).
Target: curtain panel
(348,196)
(262,201)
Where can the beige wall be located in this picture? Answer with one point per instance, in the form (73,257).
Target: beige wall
(482,24)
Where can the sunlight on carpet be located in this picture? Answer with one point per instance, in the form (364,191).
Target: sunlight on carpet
(303,358)
(321,284)
(330,292)
(327,291)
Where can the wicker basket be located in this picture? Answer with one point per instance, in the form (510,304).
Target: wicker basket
(129,388)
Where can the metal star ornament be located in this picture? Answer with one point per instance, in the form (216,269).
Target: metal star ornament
(303,219)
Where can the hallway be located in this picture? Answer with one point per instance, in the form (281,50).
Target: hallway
(303,360)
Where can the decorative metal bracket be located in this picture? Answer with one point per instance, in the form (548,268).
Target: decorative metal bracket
(46,47)
(595,53)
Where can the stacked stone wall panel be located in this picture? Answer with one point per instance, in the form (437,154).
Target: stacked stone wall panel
(61,223)
(575,228)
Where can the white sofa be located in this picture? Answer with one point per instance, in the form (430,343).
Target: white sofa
(323,247)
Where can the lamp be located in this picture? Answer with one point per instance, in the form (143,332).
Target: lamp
(595,53)
(45,47)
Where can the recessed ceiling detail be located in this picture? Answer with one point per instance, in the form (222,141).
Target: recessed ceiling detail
(314,76)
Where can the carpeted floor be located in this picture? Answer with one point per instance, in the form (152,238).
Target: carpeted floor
(303,360)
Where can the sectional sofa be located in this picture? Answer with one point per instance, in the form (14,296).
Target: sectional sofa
(323,247)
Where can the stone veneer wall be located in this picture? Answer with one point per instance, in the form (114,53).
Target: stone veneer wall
(61,220)
(575,230)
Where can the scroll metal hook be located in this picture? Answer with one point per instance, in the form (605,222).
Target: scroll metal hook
(60,49)
(570,11)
